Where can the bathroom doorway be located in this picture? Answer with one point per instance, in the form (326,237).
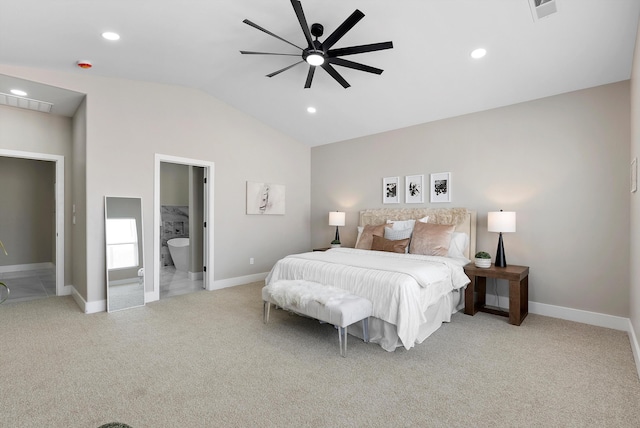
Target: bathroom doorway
(183,210)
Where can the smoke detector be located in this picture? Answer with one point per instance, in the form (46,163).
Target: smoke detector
(542,8)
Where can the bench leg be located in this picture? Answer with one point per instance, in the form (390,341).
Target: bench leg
(365,329)
(342,331)
(266,307)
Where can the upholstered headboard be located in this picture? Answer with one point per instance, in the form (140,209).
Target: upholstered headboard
(464,219)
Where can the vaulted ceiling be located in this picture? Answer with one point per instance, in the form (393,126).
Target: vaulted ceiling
(428,75)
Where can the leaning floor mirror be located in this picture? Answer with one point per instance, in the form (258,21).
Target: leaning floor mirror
(124,252)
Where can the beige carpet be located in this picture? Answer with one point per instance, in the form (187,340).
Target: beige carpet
(207,360)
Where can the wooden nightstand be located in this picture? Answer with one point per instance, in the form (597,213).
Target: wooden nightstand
(518,277)
(321,249)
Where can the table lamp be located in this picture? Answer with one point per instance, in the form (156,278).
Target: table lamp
(336,218)
(501,222)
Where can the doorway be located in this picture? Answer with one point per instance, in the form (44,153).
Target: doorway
(57,238)
(183,232)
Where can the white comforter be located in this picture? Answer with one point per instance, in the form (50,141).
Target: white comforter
(400,286)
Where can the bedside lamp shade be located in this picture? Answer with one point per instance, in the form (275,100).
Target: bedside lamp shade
(501,222)
(336,218)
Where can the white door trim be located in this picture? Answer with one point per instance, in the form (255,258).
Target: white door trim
(59,195)
(208,217)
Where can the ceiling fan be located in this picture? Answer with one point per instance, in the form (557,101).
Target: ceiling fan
(320,53)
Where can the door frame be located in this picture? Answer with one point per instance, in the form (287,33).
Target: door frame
(207,217)
(59,198)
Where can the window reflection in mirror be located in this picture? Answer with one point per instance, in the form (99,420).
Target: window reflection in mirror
(124,253)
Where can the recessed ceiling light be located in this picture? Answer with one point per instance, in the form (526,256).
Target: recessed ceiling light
(478,53)
(109,35)
(311,109)
(18,92)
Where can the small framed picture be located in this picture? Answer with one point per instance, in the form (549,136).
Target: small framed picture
(441,187)
(634,175)
(414,189)
(390,190)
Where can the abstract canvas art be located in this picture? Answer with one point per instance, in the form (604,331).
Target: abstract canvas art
(265,198)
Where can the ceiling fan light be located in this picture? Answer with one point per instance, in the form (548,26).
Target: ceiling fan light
(315,59)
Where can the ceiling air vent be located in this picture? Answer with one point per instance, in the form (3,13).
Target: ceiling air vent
(542,8)
(21,102)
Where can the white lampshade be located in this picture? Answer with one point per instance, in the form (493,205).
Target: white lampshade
(501,221)
(336,218)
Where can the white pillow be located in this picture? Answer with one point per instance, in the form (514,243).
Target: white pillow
(405,224)
(396,234)
(401,224)
(458,245)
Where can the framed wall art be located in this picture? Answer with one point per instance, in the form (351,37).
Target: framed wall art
(391,190)
(414,189)
(440,187)
(265,198)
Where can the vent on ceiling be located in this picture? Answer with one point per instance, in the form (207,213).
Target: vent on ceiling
(542,8)
(21,102)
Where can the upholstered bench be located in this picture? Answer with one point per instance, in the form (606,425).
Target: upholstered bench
(324,303)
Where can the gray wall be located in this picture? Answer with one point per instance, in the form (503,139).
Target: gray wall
(561,163)
(128,122)
(27,211)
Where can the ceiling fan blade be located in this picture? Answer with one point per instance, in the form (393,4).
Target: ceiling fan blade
(283,69)
(355,65)
(342,29)
(266,53)
(312,70)
(333,73)
(297,7)
(359,49)
(256,26)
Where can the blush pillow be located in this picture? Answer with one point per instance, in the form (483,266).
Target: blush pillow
(381,244)
(366,237)
(431,239)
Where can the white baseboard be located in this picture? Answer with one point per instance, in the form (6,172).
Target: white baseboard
(577,315)
(569,314)
(29,266)
(635,347)
(239,280)
(88,307)
(195,276)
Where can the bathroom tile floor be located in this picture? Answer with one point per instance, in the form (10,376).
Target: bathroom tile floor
(30,284)
(174,282)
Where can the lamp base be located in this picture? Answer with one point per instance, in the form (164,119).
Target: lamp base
(501,260)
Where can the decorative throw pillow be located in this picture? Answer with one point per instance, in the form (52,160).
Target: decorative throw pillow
(431,239)
(381,244)
(395,235)
(366,237)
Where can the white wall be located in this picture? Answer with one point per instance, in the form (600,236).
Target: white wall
(128,122)
(561,163)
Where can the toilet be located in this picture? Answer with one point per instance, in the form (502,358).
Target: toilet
(179,250)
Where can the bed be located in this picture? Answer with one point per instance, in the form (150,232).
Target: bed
(408,262)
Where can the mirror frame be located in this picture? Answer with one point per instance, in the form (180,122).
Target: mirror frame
(137,300)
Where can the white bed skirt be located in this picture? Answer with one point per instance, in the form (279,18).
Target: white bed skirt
(384,333)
